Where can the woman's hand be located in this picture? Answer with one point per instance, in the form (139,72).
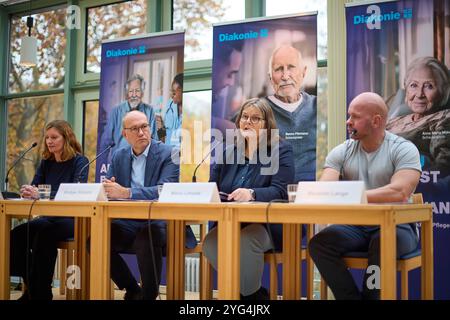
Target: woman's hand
(29,192)
(240,194)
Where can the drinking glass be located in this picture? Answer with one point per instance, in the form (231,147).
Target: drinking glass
(44,191)
(292,192)
(160,187)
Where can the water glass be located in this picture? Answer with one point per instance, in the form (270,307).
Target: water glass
(160,187)
(44,191)
(292,192)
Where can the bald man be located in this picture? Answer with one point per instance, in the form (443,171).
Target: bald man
(134,174)
(295,111)
(390,168)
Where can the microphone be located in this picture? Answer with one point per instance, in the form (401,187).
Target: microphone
(347,143)
(89,163)
(7,194)
(194,176)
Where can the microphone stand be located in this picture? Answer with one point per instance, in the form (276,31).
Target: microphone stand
(89,163)
(194,176)
(14,195)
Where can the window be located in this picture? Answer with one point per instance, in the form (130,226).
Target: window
(322,119)
(90,122)
(27,118)
(196,114)
(49,29)
(280,7)
(197,17)
(111,22)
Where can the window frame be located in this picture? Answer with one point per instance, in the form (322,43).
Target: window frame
(197,73)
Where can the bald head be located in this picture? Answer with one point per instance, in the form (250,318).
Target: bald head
(136,130)
(132,116)
(371,103)
(367,115)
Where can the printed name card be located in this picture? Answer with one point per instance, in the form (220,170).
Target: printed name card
(331,192)
(81,192)
(199,192)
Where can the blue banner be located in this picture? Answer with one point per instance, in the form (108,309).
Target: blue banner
(276,59)
(139,73)
(400,50)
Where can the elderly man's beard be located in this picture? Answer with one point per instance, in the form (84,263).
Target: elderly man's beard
(134,103)
(290,97)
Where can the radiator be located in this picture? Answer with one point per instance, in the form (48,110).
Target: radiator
(192,274)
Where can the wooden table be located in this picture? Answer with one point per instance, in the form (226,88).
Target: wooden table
(386,216)
(82,211)
(229,216)
(176,215)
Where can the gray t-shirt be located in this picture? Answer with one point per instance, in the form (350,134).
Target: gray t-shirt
(377,168)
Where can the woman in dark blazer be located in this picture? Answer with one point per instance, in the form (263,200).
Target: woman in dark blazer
(257,167)
(62,163)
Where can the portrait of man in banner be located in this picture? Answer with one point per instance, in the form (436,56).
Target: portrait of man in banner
(275,59)
(136,74)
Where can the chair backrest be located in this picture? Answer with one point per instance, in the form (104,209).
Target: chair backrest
(417,198)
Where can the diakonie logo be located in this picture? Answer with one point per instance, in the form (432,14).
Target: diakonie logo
(374,16)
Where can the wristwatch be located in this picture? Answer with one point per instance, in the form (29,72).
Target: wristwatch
(252,194)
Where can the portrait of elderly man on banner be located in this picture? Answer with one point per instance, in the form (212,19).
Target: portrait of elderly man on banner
(274,59)
(137,74)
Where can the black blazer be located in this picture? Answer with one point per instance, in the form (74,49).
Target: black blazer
(267,187)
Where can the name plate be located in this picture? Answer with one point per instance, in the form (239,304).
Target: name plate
(81,192)
(199,192)
(331,192)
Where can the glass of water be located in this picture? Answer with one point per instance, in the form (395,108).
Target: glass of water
(292,192)
(44,191)
(160,187)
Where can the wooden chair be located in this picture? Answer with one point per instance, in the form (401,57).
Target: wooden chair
(73,253)
(67,251)
(406,263)
(277,258)
(274,259)
(205,267)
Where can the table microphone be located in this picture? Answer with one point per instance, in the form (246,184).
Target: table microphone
(7,194)
(89,163)
(194,177)
(341,171)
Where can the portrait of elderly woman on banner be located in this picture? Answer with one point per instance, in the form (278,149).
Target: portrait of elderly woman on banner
(427,95)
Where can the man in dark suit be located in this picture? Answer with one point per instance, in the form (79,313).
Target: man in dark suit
(135,173)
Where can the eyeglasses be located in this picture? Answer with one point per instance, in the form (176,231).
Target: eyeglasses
(135,130)
(253,119)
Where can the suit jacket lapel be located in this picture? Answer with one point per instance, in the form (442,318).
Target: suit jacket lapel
(152,161)
(127,168)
